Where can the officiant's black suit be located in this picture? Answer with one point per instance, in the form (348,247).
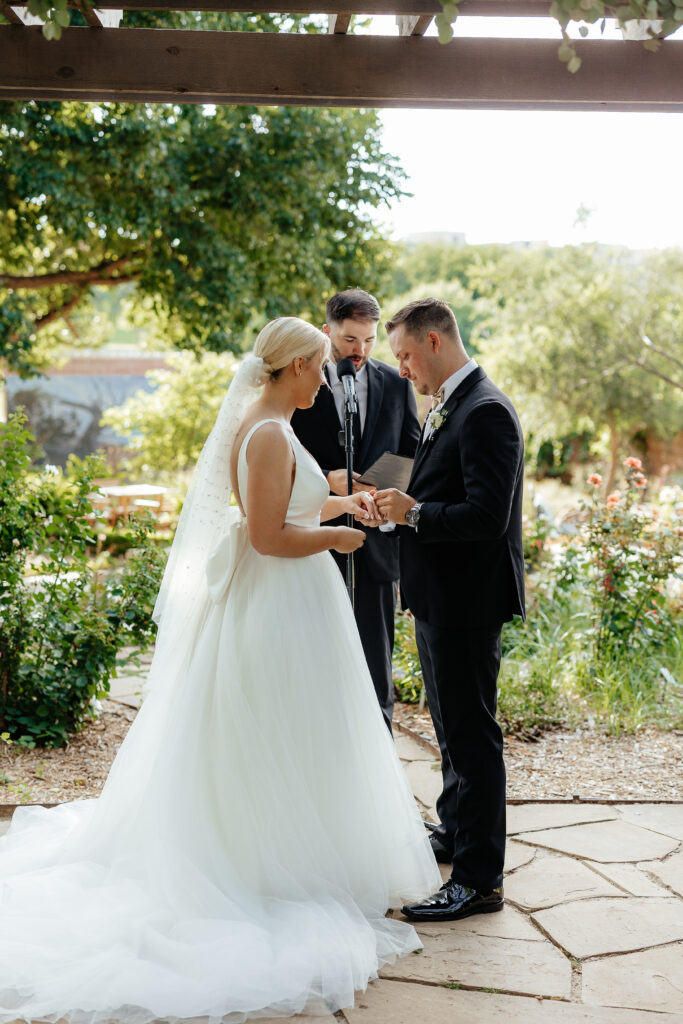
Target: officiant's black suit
(462,576)
(391,424)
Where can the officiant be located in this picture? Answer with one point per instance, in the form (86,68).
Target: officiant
(386,421)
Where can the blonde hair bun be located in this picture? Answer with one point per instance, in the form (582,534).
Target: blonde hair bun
(285,338)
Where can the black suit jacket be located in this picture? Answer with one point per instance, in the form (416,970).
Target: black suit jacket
(464,566)
(391,424)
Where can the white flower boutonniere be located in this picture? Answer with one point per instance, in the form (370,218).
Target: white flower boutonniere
(436,420)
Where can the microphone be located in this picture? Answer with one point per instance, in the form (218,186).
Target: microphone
(346,372)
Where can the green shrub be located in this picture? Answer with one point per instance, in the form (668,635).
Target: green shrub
(408,681)
(62,624)
(631,552)
(602,645)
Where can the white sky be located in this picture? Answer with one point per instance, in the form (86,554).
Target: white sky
(500,176)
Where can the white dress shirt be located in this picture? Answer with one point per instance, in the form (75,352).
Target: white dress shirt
(449,386)
(361,392)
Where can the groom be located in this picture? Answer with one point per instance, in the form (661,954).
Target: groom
(462,576)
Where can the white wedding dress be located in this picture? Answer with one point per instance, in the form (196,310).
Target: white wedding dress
(254,829)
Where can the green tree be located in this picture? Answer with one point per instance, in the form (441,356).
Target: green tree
(445,261)
(218,215)
(168,426)
(471,313)
(566,342)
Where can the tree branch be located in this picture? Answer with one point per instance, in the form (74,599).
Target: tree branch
(101,274)
(59,312)
(656,373)
(661,352)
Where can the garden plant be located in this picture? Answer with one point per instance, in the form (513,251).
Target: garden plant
(602,645)
(64,624)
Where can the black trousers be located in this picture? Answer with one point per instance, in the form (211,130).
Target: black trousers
(375,605)
(460,669)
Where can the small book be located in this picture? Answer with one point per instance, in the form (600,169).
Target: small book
(389,471)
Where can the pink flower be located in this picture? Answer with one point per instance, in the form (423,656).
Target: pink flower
(639,480)
(632,463)
(595,479)
(613,499)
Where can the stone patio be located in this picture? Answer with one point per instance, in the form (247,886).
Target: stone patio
(592,930)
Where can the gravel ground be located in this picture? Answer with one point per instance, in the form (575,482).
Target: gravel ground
(582,765)
(557,765)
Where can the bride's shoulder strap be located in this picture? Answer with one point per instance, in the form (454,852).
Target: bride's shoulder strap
(252,430)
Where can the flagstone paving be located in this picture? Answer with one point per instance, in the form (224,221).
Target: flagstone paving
(632,879)
(604,841)
(651,979)
(536,817)
(551,878)
(669,871)
(592,930)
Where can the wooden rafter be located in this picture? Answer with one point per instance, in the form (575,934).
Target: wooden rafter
(338,24)
(88,13)
(480,8)
(298,68)
(10,14)
(413,24)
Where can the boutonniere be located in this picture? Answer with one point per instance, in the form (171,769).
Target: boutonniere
(436,420)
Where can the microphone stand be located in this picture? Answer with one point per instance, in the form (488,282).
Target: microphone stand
(347,373)
(349,410)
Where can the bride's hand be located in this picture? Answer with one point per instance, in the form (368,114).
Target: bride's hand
(347,539)
(362,507)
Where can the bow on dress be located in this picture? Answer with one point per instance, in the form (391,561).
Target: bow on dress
(226,556)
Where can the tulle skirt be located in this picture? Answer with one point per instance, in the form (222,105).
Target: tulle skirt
(254,829)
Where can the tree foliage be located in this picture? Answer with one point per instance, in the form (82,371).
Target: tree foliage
(566,342)
(218,215)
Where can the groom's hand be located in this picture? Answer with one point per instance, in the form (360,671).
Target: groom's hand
(394,504)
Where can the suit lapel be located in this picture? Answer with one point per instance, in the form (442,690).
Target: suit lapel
(329,408)
(374,403)
(449,408)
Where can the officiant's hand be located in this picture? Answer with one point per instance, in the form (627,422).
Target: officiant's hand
(336,478)
(394,504)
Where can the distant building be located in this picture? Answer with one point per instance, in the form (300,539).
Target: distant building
(65,405)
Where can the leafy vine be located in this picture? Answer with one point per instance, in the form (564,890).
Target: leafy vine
(655,19)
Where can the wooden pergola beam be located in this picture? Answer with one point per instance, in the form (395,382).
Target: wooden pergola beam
(10,14)
(414,8)
(159,65)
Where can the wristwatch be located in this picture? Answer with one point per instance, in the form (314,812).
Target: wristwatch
(413,515)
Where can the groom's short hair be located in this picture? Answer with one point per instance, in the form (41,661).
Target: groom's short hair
(352,304)
(424,315)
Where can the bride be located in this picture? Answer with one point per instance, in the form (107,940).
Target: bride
(256,824)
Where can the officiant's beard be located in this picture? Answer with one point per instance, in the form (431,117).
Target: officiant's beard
(340,348)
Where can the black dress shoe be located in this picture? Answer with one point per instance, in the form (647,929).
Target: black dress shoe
(454,901)
(443,853)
